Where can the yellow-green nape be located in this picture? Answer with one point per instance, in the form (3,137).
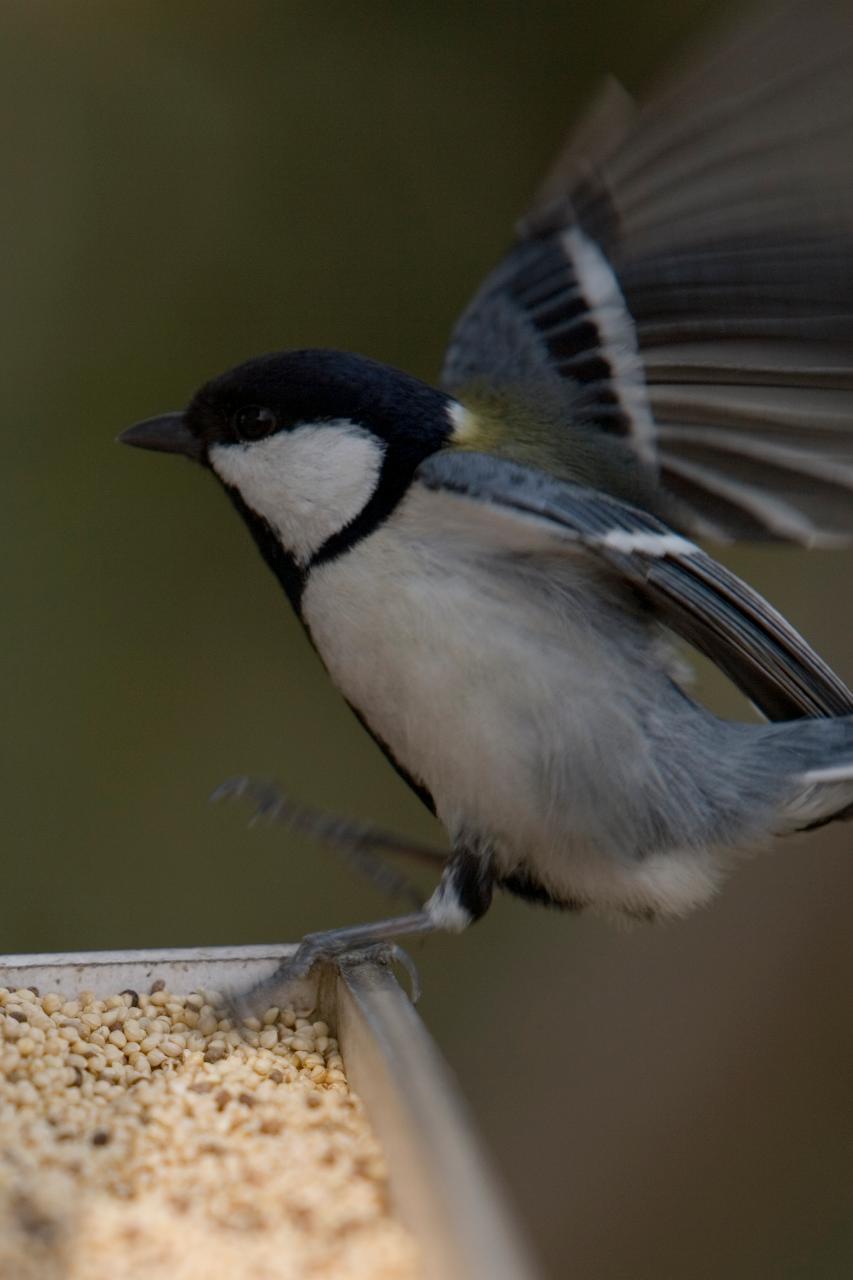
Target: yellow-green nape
(492,420)
(483,421)
(466,424)
(534,427)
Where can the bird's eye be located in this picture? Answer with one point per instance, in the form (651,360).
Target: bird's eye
(253,422)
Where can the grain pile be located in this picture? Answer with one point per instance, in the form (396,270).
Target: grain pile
(144,1136)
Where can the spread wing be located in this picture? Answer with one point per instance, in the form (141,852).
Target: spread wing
(691,593)
(685,281)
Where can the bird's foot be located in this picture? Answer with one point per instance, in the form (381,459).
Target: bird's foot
(359,843)
(286,985)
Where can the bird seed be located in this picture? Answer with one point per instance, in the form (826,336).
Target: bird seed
(144,1135)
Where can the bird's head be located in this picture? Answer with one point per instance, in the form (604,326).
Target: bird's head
(315,447)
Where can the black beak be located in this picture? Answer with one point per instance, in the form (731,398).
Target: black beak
(167,434)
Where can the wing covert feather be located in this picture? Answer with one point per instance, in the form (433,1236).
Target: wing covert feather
(692,594)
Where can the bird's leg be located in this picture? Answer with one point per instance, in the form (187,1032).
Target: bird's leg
(463,894)
(357,842)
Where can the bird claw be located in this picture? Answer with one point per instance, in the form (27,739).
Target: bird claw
(283,985)
(395,954)
(270,802)
(343,946)
(229,788)
(385,954)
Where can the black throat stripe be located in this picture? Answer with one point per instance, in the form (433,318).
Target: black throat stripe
(395,477)
(282,563)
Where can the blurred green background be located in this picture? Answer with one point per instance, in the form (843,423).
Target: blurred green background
(186,185)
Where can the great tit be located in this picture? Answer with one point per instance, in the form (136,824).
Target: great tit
(493,571)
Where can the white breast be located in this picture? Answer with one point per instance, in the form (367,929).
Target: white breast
(495,696)
(394,623)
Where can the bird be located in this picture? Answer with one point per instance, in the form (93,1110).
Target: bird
(497,570)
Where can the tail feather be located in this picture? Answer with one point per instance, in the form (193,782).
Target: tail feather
(816,756)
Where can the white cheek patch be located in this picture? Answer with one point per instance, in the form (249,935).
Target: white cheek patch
(307,483)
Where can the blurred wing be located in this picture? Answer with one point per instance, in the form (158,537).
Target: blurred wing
(685,276)
(527,510)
